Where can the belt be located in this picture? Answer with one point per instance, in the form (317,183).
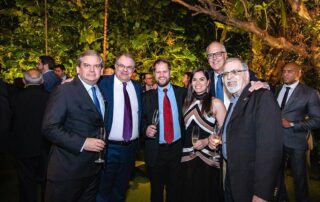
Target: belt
(125,143)
(169,145)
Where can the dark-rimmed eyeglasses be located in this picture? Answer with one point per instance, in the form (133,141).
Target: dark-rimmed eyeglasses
(215,55)
(233,72)
(122,66)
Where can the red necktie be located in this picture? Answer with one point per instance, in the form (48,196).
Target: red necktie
(167,116)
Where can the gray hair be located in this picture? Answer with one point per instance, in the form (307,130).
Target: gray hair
(89,53)
(32,77)
(243,64)
(127,55)
(217,43)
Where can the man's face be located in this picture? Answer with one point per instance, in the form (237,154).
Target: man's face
(59,72)
(291,73)
(216,56)
(124,68)
(90,69)
(234,77)
(162,74)
(40,66)
(148,79)
(185,80)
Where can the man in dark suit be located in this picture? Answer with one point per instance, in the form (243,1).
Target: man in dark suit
(300,107)
(123,124)
(30,147)
(252,138)
(74,115)
(163,141)
(217,55)
(45,66)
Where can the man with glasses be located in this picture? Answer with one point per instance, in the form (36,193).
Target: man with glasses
(217,55)
(124,99)
(251,138)
(74,114)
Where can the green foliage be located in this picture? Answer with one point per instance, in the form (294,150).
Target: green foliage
(147,29)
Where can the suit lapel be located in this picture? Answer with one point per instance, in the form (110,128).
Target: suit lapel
(292,97)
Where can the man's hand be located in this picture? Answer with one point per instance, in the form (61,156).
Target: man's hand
(151,131)
(214,141)
(94,144)
(286,123)
(67,80)
(256,85)
(255,198)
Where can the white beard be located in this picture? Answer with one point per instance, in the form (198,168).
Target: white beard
(234,89)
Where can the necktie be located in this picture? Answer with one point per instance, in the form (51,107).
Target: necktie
(285,97)
(219,92)
(95,99)
(127,117)
(167,116)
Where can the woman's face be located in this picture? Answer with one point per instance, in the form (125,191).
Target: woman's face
(199,83)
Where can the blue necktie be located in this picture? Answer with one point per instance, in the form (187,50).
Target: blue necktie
(127,117)
(95,100)
(219,88)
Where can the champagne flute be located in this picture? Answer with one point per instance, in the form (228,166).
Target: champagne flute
(102,136)
(155,120)
(216,133)
(194,137)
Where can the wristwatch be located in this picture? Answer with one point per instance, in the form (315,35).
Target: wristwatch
(291,124)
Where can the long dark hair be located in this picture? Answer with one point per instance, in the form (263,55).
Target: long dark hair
(206,100)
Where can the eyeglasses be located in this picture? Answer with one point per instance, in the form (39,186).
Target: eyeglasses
(88,66)
(215,55)
(233,72)
(122,66)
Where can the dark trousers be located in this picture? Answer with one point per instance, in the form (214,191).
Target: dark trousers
(227,186)
(299,172)
(165,174)
(117,172)
(79,190)
(31,172)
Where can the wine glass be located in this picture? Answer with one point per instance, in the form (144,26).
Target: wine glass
(102,136)
(216,133)
(194,137)
(155,120)
(155,117)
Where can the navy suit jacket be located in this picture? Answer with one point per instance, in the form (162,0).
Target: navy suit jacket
(106,85)
(51,80)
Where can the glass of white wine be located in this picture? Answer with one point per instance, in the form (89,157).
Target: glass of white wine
(216,133)
(102,136)
(194,137)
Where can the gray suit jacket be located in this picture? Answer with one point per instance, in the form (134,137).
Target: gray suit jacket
(303,109)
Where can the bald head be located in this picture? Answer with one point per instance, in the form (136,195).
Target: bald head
(32,77)
(216,55)
(291,73)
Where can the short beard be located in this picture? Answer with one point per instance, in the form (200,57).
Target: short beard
(165,84)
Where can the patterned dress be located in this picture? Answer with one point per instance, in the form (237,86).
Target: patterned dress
(201,180)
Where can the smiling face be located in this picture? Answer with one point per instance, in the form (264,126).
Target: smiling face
(162,74)
(235,80)
(216,55)
(199,83)
(124,68)
(90,69)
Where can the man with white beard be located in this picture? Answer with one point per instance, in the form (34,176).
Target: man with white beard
(251,138)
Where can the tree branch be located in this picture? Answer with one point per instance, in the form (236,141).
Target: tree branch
(299,8)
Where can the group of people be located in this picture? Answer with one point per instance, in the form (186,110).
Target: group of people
(225,137)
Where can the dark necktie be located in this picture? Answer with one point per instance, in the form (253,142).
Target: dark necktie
(95,99)
(219,93)
(127,117)
(167,116)
(285,97)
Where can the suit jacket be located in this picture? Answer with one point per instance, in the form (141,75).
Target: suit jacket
(303,109)
(5,116)
(28,109)
(254,141)
(51,80)
(70,118)
(106,84)
(150,103)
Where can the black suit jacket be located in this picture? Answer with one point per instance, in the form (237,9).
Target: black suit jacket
(5,116)
(28,109)
(150,103)
(70,118)
(303,109)
(254,141)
